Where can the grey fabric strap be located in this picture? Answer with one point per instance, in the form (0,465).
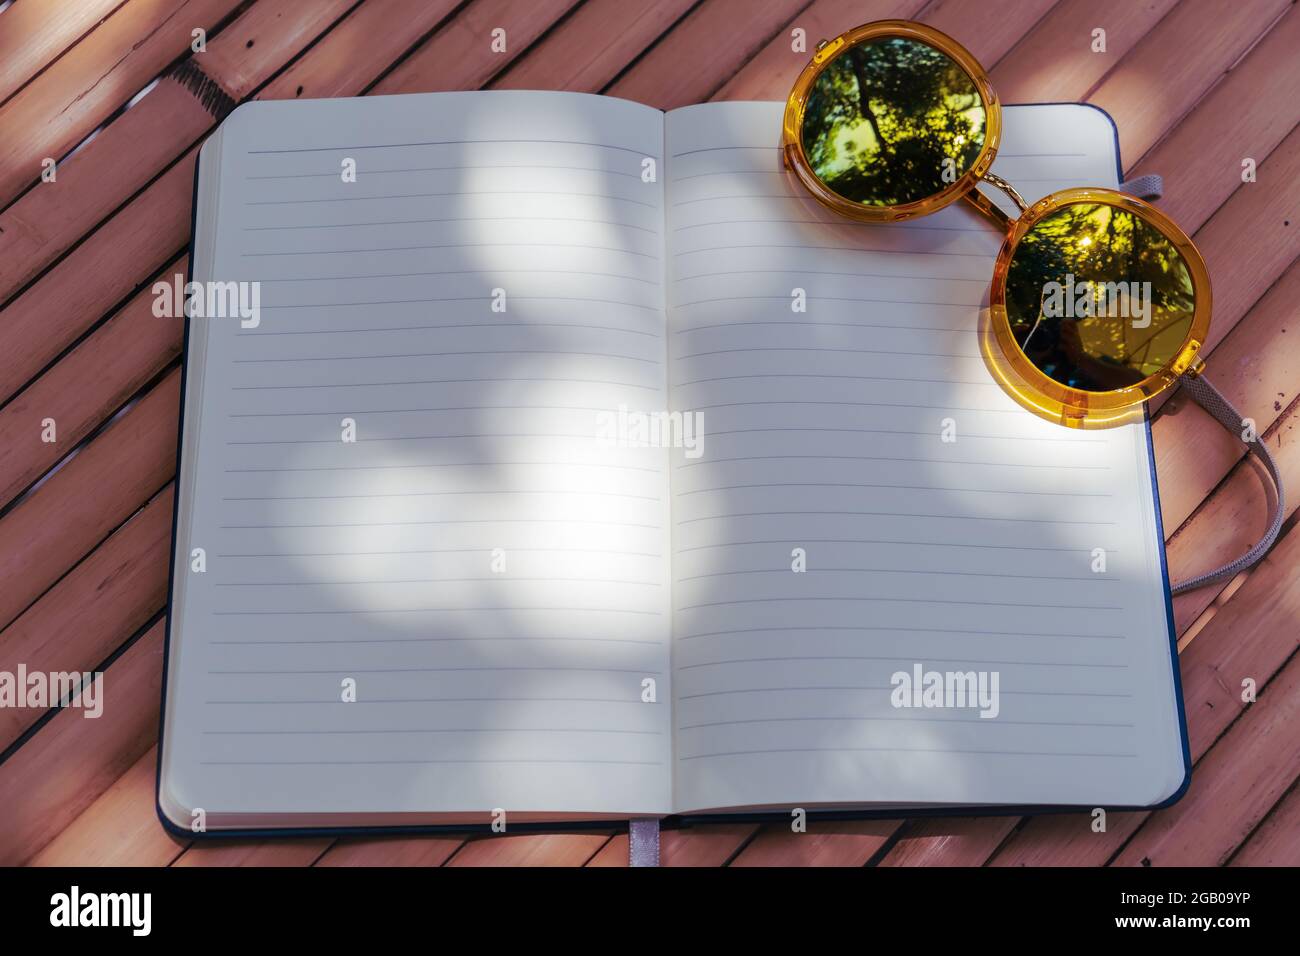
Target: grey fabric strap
(643,843)
(1210,399)
(1150,186)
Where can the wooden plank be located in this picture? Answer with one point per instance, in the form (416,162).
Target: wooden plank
(530,849)
(592,47)
(270,32)
(291,852)
(92,494)
(1171,68)
(1233,788)
(1277,840)
(771,72)
(989,30)
(1253,635)
(120,357)
(49,219)
(390,851)
(1251,240)
(120,828)
(64,104)
(1055,61)
(466,41)
(825,844)
(138,145)
(359,49)
(710,844)
(950,841)
(102,271)
(124,580)
(43,789)
(36,32)
(690,63)
(1247,114)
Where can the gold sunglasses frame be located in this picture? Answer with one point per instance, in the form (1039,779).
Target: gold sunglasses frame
(1023,380)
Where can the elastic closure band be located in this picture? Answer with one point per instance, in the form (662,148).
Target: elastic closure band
(1212,400)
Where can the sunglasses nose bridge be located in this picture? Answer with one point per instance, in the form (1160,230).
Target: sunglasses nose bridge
(993,179)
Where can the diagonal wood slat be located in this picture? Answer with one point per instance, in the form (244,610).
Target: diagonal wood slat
(36,33)
(63,105)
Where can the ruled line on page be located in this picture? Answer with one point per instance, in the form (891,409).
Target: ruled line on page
(982,283)
(430,408)
(902,487)
(896,657)
(468,435)
(933,461)
(399,355)
(496,579)
(860,251)
(453,142)
(460,193)
(445,219)
(965,721)
(432,670)
(390,553)
(518,298)
(314,642)
(1092,579)
(334,173)
(885,514)
(455,272)
(817,375)
(450,464)
(444,381)
(885,687)
(922,750)
(859,628)
(892,431)
(820,298)
(785,350)
(377,496)
(393,524)
(332,702)
(370,763)
(912,227)
(590,247)
(896,600)
(776,403)
(435,730)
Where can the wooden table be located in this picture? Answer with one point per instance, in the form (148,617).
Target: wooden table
(1197,87)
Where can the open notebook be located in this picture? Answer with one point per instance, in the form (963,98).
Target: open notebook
(496,586)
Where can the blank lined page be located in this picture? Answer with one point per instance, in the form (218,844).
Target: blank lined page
(824,436)
(486,573)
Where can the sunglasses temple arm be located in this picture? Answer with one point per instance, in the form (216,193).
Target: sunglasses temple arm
(1210,399)
(989,209)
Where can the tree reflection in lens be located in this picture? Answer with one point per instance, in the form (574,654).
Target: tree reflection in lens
(1098,333)
(882,118)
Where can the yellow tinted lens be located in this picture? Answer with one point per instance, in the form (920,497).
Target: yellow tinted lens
(1098,298)
(892,121)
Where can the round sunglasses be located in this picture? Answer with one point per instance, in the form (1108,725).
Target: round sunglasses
(1098,300)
